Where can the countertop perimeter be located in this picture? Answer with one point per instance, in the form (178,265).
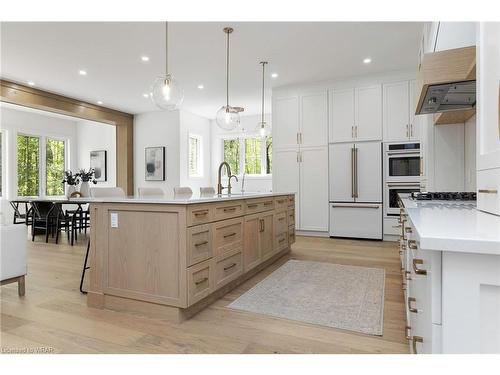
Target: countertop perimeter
(181,199)
(458,228)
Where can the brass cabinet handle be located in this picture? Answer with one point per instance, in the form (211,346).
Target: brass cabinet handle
(201,243)
(282,240)
(408,332)
(407,131)
(281,218)
(403,285)
(352,172)
(412,244)
(407,275)
(352,131)
(252,205)
(280,201)
(230,235)
(229,267)
(201,281)
(261,225)
(268,203)
(416,269)
(230,209)
(298,142)
(356,172)
(416,339)
(488,191)
(408,230)
(204,213)
(412,309)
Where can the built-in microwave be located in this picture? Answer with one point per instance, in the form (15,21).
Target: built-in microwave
(402,162)
(392,191)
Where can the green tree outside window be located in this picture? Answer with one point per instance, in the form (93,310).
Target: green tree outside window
(253,156)
(28,150)
(269,155)
(54,161)
(232,154)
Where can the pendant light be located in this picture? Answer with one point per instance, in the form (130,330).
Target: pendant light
(228,117)
(166,92)
(262,127)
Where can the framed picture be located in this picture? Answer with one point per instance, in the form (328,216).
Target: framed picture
(99,163)
(155,163)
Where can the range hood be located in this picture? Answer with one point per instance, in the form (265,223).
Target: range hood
(446,81)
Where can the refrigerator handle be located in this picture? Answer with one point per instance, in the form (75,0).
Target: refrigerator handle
(356,171)
(352,172)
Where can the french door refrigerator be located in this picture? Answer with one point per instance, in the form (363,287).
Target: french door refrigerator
(355,180)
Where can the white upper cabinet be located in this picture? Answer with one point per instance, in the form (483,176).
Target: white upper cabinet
(396,111)
(342,115)
(414,124)
(285,122)
(451,35)
(368,122)
(314,119)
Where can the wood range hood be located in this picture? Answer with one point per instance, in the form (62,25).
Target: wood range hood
(446,85)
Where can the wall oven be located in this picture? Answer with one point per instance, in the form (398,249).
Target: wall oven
(391,191)
(402,162)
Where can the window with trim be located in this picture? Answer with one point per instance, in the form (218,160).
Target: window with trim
(28,168)
(194,156)
(54,166)
(231,150)
(252,155)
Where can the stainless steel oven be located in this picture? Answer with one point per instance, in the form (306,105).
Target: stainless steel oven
(402,162)
(391,191)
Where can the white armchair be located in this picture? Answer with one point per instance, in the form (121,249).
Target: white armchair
(13,255)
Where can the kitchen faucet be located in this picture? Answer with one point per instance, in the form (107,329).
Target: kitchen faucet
(219,177)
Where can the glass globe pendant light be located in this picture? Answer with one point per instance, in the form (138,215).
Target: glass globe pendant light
(228,117)
(166,92)
(262,128)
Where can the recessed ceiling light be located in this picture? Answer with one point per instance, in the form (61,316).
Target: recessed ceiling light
(274,75)
(31,83)
(144,58)
(82,72)
(201,87)
(145,95)
(99,102)
(367,60)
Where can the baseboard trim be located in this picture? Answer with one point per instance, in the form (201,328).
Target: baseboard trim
(311,233)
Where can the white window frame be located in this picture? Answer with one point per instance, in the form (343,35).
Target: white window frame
(199,164)
(263,161)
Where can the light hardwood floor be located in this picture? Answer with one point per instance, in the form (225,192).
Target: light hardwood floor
(54,314)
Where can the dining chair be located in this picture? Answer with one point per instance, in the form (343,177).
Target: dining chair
(183,190)
(207,191)
(20,217)
(150,192)
(43,217)
(107,192)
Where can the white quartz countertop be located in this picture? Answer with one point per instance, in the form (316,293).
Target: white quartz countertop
(180,199)
(452,227)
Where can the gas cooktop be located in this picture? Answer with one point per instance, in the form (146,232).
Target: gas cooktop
(444,196)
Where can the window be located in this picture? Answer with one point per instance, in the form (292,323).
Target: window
(269,155)
(54,163)
(194,156)
(28,173)
(252,156)
(232,154)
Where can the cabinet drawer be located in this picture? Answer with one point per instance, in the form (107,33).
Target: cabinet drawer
(228,269)
(358,220)
(291,235)
(291,216)
(199,244)
(200,281)
(280,223)
(281,203)
(281,242)
(488,190)
(258,205)
(228,210)
(199,214)
(228,236)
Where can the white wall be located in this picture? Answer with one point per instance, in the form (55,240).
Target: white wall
(154,129)
(470,154)
(94,136)
(252,183)
(199,126)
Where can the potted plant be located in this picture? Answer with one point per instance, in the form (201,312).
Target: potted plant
(71,180)
(86,177)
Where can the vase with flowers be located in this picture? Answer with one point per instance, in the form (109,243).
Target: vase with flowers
(87,176)
(71,180)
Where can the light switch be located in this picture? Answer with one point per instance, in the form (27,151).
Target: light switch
(114,220)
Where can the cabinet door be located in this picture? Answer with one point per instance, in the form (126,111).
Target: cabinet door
(414,124)
(314,119)
(369,113)
(369,172)
(314,189)
(396,109)
(341,178)
(266,238)
(285,122)
(356,220)
(286,174)
(251,242)
(342,115)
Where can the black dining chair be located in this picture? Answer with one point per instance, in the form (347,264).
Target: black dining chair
(20,217)
(49,218)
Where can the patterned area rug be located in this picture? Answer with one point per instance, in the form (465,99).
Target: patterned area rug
(327,294)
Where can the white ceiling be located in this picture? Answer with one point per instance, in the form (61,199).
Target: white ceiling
(51,54)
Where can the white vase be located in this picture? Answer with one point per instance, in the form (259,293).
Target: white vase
(85,189)
(70,189)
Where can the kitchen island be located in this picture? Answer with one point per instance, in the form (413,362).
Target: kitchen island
(172,256)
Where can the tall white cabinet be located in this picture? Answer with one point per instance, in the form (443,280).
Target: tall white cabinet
(300,155)
(399,112)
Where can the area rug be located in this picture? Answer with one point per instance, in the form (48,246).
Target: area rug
(333,295)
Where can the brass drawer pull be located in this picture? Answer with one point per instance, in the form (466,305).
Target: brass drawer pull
(281,218)
(416,269)
(230,235)
(200,243)
(408,332)
(230,209)
(229,267)
(201,281)
(407,275)
(408,230)
(252,205)
(412,244)
(268,203)
(280,201)
(204,213)
(488,191)
(416,339)
(282,240)
(412,309)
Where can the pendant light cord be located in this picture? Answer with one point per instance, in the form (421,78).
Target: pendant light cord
(227,72)
(166,48)
(263,75)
